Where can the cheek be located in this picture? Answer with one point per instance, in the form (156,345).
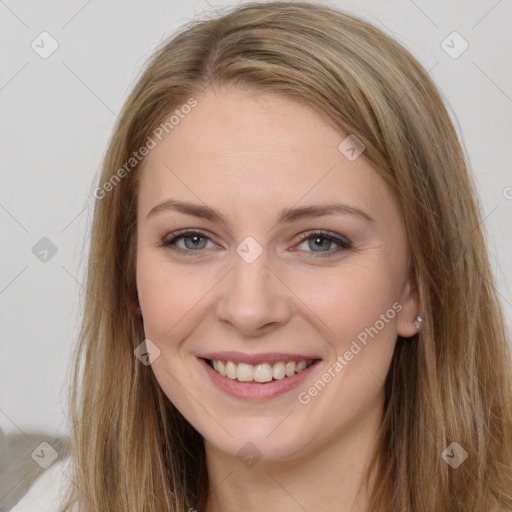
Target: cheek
(356,313)
(347,302)
(164,295)
(171,296)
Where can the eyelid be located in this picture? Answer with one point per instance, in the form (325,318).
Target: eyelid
(171,238)
(343,242)
(325,234)
(184,232)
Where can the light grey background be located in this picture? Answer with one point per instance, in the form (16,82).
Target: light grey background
(57,114)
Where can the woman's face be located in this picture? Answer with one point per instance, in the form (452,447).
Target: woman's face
(255,282)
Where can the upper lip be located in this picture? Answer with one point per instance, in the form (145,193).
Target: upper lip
(266,357)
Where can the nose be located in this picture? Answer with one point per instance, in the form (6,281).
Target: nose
(254,300)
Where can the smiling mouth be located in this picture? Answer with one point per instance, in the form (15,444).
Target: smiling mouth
(259,373)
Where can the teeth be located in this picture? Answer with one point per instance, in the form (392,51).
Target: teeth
(231,370)
(263,372)
(220,367)
(244,372)
(301,366)
(278,371)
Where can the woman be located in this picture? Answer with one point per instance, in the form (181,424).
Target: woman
(290,304)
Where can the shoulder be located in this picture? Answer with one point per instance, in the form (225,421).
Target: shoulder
(48,490)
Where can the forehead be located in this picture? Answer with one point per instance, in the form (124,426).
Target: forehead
(249,150)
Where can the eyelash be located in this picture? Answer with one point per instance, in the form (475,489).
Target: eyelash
(343,243)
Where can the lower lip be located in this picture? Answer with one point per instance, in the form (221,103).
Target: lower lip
(254,390)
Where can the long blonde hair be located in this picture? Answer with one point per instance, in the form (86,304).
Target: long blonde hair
(133,450)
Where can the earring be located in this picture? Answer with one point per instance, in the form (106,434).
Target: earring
(418,321)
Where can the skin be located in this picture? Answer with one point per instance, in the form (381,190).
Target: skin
(249,156)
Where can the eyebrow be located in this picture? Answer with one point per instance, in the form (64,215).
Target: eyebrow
(286,215)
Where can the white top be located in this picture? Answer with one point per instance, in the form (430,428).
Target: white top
(48,490)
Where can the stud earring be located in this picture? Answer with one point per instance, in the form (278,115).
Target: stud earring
(418,321)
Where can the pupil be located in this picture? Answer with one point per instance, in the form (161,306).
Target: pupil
(195,240)
(318,240)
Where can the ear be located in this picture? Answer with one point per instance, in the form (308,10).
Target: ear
(411,307)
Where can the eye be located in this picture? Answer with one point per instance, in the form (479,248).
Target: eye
(193,240)
(323,240)
(189,241)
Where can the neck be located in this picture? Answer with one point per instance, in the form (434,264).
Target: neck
(325,477)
